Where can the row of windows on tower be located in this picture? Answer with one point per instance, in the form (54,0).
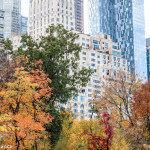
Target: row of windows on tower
(66,12)
(104,57)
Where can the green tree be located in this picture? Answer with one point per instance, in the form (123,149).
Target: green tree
(59,54)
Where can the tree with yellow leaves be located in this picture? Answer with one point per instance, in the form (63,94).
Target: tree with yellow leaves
(117,99)
(22,109)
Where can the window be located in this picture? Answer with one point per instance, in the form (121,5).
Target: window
(106,45)
(107,72)
(95,41)
(89,90)
(114,47)
(83,44)
(84,58)
(118,59)
(124,61)
(82,98)
(83,39)
(116,53)
(114,58)
(82,106)
(96,47)
(93,65)
(94,70)
(114,63)
(105,36)
(104,56)
(75,98)
(104,61)
(98,62)
(93,60)
(81,111)
(84,53)
(118,64)
(114,73)
(96,81)
(92,54)
(98,56)
(75,105)
(75,110)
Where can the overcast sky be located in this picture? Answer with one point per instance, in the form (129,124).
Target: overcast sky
(25,7)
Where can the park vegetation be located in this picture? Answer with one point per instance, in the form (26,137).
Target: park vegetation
(35,81)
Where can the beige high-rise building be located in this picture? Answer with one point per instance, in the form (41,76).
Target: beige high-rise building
(101,55)
(43,13)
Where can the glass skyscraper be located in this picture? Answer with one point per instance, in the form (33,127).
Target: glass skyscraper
(1,24)
(124,21)
(24,25)
(12,17)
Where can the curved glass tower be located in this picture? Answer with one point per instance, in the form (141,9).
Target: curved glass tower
(124,21)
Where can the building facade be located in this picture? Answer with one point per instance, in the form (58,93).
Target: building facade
(12,17)
(124,21)
(148,56)
(69,13)
(24,25)
(101,55)
(79,15)
(1,24)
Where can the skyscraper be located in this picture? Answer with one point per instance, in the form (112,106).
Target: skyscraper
(69,13)
(1,24)
(12,17)
(79,15)
(24,25)
(123,20)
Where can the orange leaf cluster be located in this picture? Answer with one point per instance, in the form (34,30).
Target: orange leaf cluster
(22,101)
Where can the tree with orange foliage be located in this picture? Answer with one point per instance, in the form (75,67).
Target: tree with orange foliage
(141,109)
(22,103)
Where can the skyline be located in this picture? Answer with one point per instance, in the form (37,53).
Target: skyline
(25,8)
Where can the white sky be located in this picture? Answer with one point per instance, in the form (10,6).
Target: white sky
(25,7)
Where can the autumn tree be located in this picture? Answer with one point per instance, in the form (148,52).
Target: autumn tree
(59,54)
(85,134)
(22,103)
(117,98)
(141,110)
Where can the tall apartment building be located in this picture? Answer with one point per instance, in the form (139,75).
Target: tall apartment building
(46,12)
(103,56)
(1,24)
(123,20)
(12,17)
(148,56)
(24,25)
